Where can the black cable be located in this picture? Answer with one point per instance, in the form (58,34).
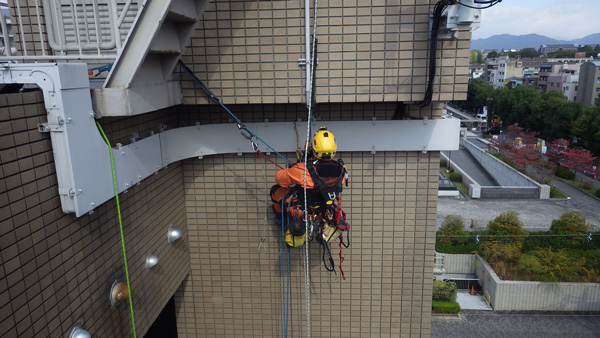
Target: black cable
(438,9)
(491,4)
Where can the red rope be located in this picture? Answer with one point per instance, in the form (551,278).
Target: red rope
(258,152)
(341,257)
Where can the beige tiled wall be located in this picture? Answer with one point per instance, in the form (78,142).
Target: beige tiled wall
(57,269)
(235,285)
(368,51)
(28,29)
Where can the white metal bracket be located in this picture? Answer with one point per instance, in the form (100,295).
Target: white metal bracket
(82,161)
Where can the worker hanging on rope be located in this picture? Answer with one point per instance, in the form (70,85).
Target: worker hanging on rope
(324,183)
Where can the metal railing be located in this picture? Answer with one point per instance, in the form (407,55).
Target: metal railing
(66,29)
(438,262)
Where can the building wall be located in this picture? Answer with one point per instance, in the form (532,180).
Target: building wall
(588,86)
(372,54)
(235,285)
(57,269)
(496,71)
(506,295)
(368,51)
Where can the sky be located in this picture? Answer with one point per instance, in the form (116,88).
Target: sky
(558,19)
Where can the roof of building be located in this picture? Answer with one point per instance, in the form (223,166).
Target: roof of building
(560,45)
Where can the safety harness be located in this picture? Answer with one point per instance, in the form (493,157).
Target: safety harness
(325,205)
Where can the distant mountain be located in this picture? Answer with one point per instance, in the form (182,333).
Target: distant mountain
(508,41)
(592,39)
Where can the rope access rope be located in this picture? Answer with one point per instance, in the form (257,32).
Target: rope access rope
(308,131)
(246,133)
(114,176)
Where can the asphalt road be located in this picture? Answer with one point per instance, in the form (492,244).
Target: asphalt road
(510,325)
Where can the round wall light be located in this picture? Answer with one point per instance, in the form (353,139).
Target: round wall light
(173,234)
(79,332)
(151,261)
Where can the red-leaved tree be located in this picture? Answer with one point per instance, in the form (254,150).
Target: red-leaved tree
(577,159)
(556,150)
(524,157)
(527,137)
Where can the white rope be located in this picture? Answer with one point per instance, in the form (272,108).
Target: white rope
(306,220)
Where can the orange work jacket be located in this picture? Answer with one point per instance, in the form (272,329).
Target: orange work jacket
(295,175)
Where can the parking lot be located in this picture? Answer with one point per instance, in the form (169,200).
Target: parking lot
(487,324)
(535,214)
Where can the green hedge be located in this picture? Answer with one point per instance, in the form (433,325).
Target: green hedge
(565,173)
(597,192)
(455,177)
(441,306)
(442,162)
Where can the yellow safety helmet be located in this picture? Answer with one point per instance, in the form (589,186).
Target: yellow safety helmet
(324,145)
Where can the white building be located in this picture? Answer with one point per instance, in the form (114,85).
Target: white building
(569,87)
(495,71)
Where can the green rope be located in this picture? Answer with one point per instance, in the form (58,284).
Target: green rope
(114,176)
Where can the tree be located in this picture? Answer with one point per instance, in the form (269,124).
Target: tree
(577,159)
(570,223)
(549,265)
(562,54)
(445,291)
(492,54)
(587,129)
(473,57)
(544,169)
(552,115)
(556,150)
(558,122)
(524,157)
(590,51)
(527,137)
(529,53)
(480,58)
(478,94)
(452,226)
(507,228)
(514,105)
(524,53)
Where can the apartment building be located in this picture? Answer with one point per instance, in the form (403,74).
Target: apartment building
(476,70)
(588,87)
(569,87)
(496,71)
(193,216)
